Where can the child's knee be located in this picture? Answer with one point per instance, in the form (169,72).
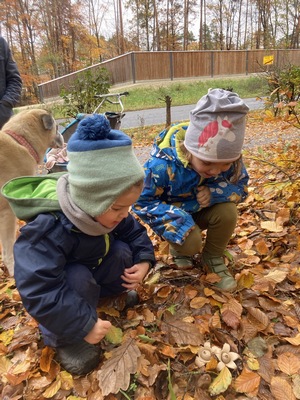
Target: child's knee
(121,253)
(80,278)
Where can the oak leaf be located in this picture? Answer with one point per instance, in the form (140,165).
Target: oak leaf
(115,372)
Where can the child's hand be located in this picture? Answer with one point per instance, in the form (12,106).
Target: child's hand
(98,332)
(134,275)
(203,196)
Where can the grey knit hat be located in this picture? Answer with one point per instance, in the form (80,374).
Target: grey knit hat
(102,165)
(217,127)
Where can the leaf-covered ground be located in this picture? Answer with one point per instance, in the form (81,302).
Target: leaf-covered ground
(187,340)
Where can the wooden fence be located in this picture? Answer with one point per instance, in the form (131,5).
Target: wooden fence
(171,65)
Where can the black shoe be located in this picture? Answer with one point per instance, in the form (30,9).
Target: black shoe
(78,358)
(132,299)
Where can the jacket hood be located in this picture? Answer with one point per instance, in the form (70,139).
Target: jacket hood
(32,195)
(168,143)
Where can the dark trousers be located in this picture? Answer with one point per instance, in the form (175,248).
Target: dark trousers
(104,281)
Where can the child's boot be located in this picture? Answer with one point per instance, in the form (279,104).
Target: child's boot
(216,265)
(182,262)
(78,358)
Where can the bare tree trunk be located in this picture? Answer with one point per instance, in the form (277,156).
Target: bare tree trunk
(186,24)
(157,30)
(200,45)
(122,45)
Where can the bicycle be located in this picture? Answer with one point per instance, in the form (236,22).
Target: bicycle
(56,159)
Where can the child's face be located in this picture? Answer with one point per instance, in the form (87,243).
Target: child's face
(208,169)
(119,210)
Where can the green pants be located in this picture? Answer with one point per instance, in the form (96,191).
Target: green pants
(219,221)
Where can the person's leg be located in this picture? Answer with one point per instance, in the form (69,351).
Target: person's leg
(108,274)
(77,357)
(219,221)
(80,279)
(191,246)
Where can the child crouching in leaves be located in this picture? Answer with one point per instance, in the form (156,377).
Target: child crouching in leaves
(80,243)
(194,179)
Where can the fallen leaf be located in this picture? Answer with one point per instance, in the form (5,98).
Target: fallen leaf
(181,332)
(221,383)
(248,382)
(114,335)
(271,226)
(288,363)
(115,372)
(46,358)
(281,389)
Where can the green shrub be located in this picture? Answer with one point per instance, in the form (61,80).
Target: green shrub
(284,89)
(81,97)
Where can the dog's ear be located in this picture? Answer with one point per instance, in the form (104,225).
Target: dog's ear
(48,121)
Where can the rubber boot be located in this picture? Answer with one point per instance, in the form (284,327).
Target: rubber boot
(78,358)
(216,265)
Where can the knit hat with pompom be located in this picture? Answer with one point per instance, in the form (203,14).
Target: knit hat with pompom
(102,165)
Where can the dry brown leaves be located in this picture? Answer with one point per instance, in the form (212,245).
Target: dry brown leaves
(151,351)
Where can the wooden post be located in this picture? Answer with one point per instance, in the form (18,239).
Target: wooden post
(168,101)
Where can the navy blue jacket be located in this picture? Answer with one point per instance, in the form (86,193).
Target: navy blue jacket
(44,247)
(10,82)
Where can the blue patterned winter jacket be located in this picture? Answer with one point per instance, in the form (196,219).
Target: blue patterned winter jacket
(169,197)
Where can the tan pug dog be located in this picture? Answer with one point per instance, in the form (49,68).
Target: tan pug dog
(24,140)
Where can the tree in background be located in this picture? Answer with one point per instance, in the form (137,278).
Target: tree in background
(51,38)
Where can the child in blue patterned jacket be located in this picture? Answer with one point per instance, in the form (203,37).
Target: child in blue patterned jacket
(195,176)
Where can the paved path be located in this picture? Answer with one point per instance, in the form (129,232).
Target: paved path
(139,118)
(134,119)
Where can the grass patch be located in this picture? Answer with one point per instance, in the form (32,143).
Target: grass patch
(189,92)
(152,95)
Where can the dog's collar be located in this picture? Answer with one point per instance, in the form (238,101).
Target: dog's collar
(21,140)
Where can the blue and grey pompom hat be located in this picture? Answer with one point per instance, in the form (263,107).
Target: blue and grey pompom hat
(102,165)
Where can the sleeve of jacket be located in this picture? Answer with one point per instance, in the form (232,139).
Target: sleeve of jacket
(13,90)
(168,221)
(224,190)
(40,257)
(135,235)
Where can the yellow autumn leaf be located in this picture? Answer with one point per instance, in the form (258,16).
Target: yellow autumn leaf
(276,276)
(6,336)
(269,114)
(221,383)
(271,226)
(53,388)
(21,367)
(114,335)
(66,380)
(152,279)
(5,365)
(246,281)
(253,363)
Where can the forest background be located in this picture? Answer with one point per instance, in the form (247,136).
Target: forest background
(51,38)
